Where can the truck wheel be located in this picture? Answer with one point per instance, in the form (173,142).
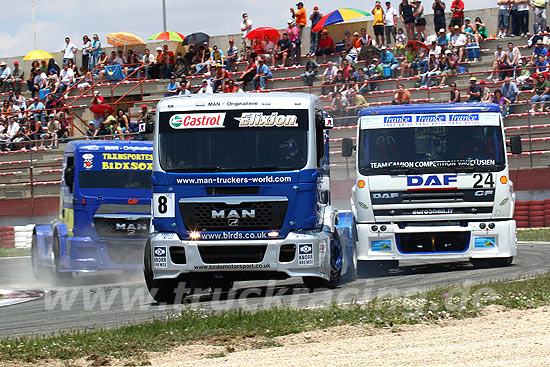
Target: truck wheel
(162,290)
(60,278)
(375,268)
(40,272)
(496,262)
(336,258)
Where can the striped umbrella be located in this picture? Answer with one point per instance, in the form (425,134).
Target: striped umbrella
(168,36)
(339,16)
(124,39)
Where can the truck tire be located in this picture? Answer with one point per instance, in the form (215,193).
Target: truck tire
(495,262)
(162,290)
(60,278)
(351,273)
(335,267)
(375,268)
(40,272)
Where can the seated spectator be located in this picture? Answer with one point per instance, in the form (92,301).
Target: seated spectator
(513,57)
(66,78)
(38,110)
(310,72)
(400,41)
(474,91)
(90,132)
(188,60)
(348,41)
(539,50)
(117,131)
(185,86)
(340,83)
(361,81)
(326,46)
(435,49)
(268,47)
(51,133)
(501,101)
(205,87)
(220,77)
(73,67)
(51,65)
(338,106)
(366,39)
(376,73)
(173,87)
(402,96)
(500,62)
(448,66)
(433,69)
(104,128)
(38,81)
(4,138)
(459,43)
(356,103)
(471,32)
(541,92)
(36,131)
(486,95)
(328,77)
(387,59)
(543,67)
(262,74)
(148,62)
(230,87)
(410,56)
(481,28)
(509,90)
(345,67)
(281,51)
(232,55)
(20,141)
(454,94)
(249,73)
(51,104)
(420,64)
(122,119)
(216,56)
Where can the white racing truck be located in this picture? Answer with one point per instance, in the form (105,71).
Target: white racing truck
(432,182)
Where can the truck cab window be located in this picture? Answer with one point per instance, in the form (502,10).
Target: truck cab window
(69,173)
(319,135)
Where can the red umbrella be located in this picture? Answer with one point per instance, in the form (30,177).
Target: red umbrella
(418,44)
(261,32)
(101,108)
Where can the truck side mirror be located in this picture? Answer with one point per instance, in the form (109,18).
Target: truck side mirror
(347,147)
(69,178)
(515,144)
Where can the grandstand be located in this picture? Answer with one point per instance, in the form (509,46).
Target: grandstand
(29,181)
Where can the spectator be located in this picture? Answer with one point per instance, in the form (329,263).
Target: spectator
(118,58)
(339,82)
(66,78)
(454,94)
(148,62)
(345,69)
(122,120)
(328,76)
(390,22)
(13,128)
(513,56)
(37,82)
(433,69)
(90,132)
(361,81)
(539,11)
(406,13)
(249,73)
(20,141)
(145,117)
(188,60)
(300,17)
(44,66)
(36,131)
(523,17)
(185,86)
(510,90)
(443,39)
(173,87)
(86,51)
(435,49)
(5,76)
(294,37)
(98,98)
(203,57)
(474,91)
(230,87)
(459,42)
(486,95)
(73,67)
(457,8)
(51,133)
(378,23)
(4,138)
(105,128)
(541,92)
(366,39)
(205,87)
(314,37)
(420,20)
(439,14)
(523,75)
(500,62)
(376,73)
(262,74)
(481,28)
(268,47)
(232,55)
(356,103)
(402,96)
(168,62)
(246,27)
(95,52)
(220,77)
(258,47)
(410,56)
(400,41)
(38,110)
(503,17)
(338,106)
(68,50)
(539,50)
(51,104)
(387,59)
(470,30)
(116,131)
(501,101)
(514,18)
(310,72)
(216,56)
(326,46)
(282,51)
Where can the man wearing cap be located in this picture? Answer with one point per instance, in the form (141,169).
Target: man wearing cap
(232,55)
(173,87)
(438,7)
(262,74)
(501,61)
(457,8)
(205,88)
(17,77)
(390,22)
(474,91)
(388,59)
(97,98)
(300,17)
(378,23)
(458,42)
(314,37)
(90,132)
(5,76)
(326,46)
(220,77)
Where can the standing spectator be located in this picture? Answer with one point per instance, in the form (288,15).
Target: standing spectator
(514,18)
(86,51)
(282,51)
(300,17)
(457,8)
(474,91)
(459,42)
(541,93)
(503,17)
(148,61)
(406,13)
(419,19)
(454,94)
(294,37)
(539,10)
(173,87)
(68,50)
(402,96)
(314,36)
(168,62)
(439,14)
(501,61)
(501,101)
(5,76)
(486,95)
(510,90)
(232,55)
(249,73)
(95,52)
(262,74)
(448,66)
(246,27)
(387,59)
(310,72)
(390,22)
(326,46)
(523,16)
(378,23)
(328,76)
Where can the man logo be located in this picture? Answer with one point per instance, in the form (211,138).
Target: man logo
(234,222)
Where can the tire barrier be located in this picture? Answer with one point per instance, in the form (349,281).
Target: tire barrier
(532,213)
(16,236)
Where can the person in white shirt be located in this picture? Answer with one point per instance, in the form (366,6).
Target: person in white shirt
(328,76)
(459,42)
(390,22)
(205,88)
(86,51)
(13,128)
(67,77)
(246,27)
(68,50)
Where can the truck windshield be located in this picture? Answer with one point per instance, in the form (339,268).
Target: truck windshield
(115,180)
(265,140)
(430,149)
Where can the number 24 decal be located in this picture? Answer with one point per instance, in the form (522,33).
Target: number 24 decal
(481,182)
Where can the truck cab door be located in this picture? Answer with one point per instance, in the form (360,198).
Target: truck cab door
(322,155)
(66,205)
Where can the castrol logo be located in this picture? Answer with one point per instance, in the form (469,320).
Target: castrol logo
(197,121)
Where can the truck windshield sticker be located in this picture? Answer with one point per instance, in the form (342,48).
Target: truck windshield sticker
(258,119)
(429,120)
(197,121)
(88,161)
(118,161)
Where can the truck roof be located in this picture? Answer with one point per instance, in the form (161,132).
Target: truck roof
(134,146)
(430,108)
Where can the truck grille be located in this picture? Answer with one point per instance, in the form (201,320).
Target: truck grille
(218,216)
(438,242)
(122,227)
(432,196)
(232,254)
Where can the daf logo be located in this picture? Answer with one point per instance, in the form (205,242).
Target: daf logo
(234,214)
(233,222)
(385,195)
(131,228)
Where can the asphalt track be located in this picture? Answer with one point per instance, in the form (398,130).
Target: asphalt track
(108,300)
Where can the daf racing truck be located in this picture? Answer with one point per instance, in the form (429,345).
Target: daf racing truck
(241,192)
(104,210)
(432,182)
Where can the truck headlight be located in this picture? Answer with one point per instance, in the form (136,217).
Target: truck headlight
(194,235)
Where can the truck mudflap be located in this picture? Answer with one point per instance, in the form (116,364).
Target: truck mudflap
(487,239)
(303,254)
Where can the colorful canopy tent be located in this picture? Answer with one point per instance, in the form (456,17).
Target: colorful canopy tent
(339,16)
(167,36)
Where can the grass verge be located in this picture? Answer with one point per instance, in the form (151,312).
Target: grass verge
(542,235)
(12,252)
(194,326)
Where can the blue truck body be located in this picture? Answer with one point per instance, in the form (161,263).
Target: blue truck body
(105,209)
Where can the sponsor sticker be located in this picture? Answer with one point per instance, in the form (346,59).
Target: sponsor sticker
(384,245)
(258,119)
(504,202)
(329,122)
(168,236)
(160,257)
(305,254)
(197,121)
(88,160)
(484,242)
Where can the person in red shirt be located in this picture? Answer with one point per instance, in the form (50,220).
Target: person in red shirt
(326,46)
(457,8)
(221,76)
(230,87)
(168,62)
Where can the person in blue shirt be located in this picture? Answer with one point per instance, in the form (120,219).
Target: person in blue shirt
(442,38)
(388,59)
(38,106)
(539,50)
(5,73)
(173,87)
(262,74)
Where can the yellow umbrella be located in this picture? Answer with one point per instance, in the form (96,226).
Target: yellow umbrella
(37,55)
(124,39)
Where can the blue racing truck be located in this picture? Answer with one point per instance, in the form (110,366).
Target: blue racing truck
(104,211)
(241,192)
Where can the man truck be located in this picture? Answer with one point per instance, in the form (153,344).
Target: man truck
(432,182)
(241,192)
(104,211)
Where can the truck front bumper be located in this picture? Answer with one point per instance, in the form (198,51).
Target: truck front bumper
(436,242)
(299,254)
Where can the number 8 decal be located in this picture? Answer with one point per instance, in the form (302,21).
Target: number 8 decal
(163,205)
